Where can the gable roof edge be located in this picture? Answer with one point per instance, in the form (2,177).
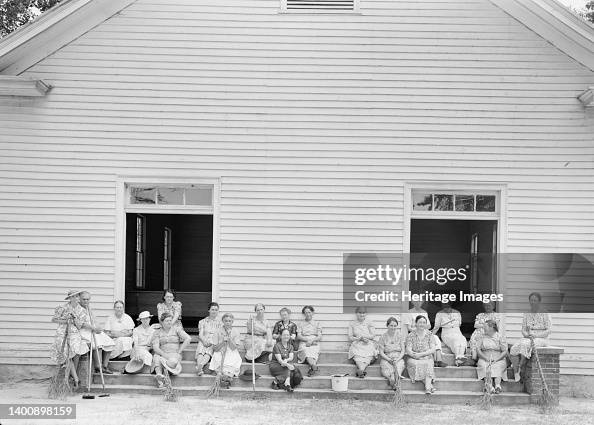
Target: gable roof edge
(556,24)
(53,30)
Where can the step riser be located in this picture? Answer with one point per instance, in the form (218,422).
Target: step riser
(317,383)
(325,370)
(299,394)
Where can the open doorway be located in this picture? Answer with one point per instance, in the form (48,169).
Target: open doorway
(169,251)
(457,243)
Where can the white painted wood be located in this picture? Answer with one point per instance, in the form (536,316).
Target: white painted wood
(22,86)
(311,126)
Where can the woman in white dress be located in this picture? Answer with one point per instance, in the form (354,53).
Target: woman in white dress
(258,348)
(449,320)
(226,343)
(536,326)
(142,337)
(119,327)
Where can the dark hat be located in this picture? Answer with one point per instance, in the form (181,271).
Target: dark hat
(246,375)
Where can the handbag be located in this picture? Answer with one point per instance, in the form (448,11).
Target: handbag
(296,377)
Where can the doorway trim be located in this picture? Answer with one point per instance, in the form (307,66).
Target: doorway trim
(122,210)
(501,217)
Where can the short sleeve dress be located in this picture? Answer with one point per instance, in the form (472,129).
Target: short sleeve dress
(232,361)
(279,372)
(61,349)
(281,326)
(169,342)
(392,346)
(540,325)
(362,352)
(207,329)
(308,329)
(419,369)
(259,345)
(174,308)
(123,344)
(492,346)
(142,343)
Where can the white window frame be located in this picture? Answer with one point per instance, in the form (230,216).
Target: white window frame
(123,207)
(356,9)
(500,214)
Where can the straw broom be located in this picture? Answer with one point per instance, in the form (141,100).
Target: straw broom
(216,386)
(170,394)
(59,386)
(486,401)
(398,399)
(547,400)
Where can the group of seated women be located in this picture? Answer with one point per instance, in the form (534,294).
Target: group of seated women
(417,349)
(413,347)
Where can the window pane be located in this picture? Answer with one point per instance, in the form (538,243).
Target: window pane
(464,203)
(171,196)
(142,195)
(485,203)
(444,202)
(422,201)
(199,196)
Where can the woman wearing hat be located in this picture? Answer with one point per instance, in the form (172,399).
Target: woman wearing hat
(119,327)
(169,342)
(142,338)
(70,317)
(226,358)
(207,329)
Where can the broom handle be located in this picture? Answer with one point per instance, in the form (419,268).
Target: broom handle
(540,372)
(253,360)
(90,374)
(94,342)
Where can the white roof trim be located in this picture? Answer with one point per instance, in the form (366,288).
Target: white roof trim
(556,24)
(52,30)
(21,86)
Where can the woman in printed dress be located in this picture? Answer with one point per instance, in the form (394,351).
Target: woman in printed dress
(285,323)
(207,328)
(492,353)
(281,366)
(309,335)
(479,326)
(119,327)
(259,347)
(169,342)
(536,326)
(226,340)
(363,349)
(450,321)
(72,316)
(169,305)
(420,347)
(408,324)
(391,352)
(142,337)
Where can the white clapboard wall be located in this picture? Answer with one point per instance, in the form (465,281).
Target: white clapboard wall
(313,123)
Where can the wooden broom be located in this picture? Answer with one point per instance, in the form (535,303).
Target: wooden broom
(547,400)
(59,386)
(398,399)
(216,386)
(486,401)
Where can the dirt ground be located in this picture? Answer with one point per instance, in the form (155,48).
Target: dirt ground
(146,410)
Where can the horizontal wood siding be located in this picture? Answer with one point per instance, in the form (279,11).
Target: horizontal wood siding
(313,123)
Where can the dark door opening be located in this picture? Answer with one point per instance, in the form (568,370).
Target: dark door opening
(169,251)
(470,244)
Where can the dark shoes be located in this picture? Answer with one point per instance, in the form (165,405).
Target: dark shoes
(361,374)
(441,364)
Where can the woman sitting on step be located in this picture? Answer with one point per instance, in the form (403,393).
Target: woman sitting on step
(536,326)
(309,335)
(285,323)
(420,347)
(119,327)
(226,359)
(169,342)
(363,349)
(408,323)
(391,352)
(169,305)
(142,336)
(286,375)
(492,356)
(207,329)
(479,326)
(450,321)
(260,345)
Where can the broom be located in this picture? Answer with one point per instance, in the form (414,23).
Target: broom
(486,401)
(59,386)
(547,400)
(170,394)
(398,399)
(216,386)
(253,395)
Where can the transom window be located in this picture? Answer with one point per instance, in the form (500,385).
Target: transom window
(319,5)
(454,201)
(186,195)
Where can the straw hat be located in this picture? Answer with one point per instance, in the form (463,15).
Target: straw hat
(144,315)
(173,365)
(134,366)
(72,293)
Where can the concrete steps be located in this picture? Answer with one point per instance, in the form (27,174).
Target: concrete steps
(453,384)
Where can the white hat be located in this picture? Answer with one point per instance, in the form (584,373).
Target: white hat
(144,315)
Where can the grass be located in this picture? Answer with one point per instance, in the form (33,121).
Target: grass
(143,409)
